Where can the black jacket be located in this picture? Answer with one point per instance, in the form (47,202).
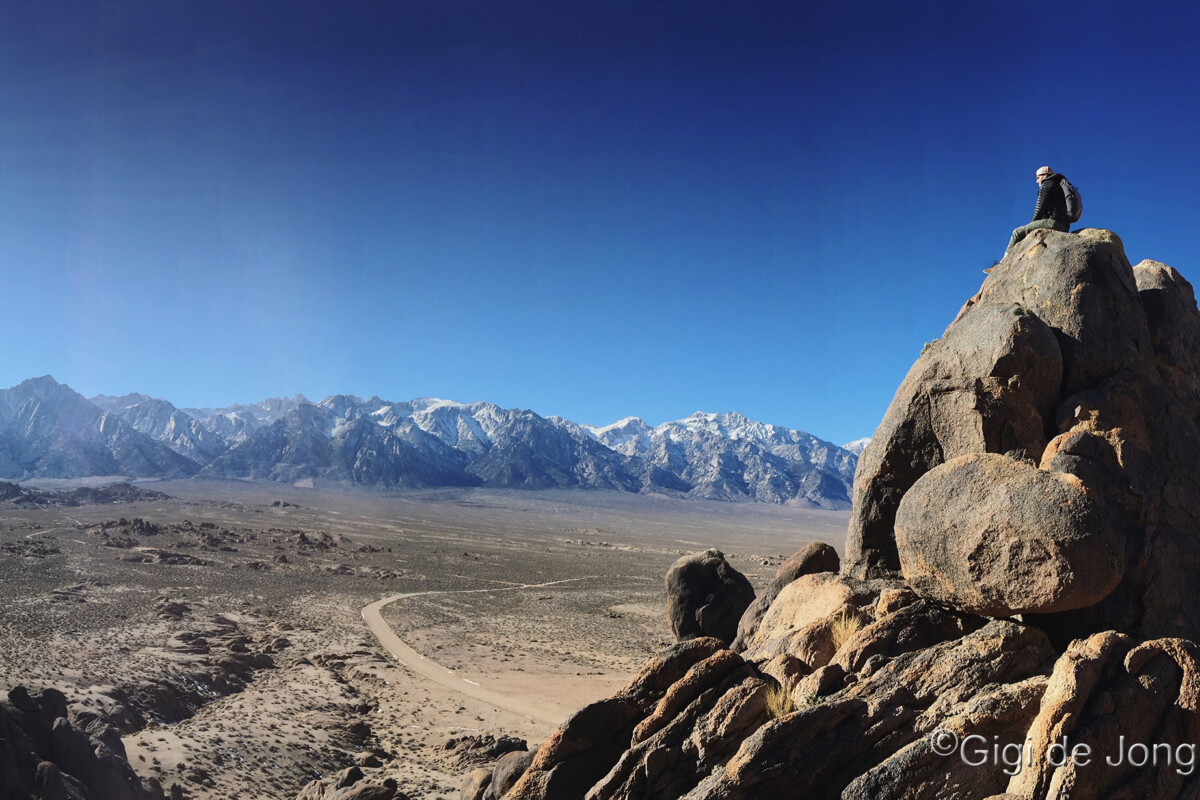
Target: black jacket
(1050,201)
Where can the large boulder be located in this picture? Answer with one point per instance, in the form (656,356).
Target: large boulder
(706,597)
(508,770)
(987,534)
(802,620)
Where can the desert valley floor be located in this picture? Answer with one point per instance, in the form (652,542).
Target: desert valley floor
(225,627)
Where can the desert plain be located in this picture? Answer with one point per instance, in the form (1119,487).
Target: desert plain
(248,638)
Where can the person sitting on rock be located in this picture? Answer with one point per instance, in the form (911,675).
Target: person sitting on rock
(1050,211)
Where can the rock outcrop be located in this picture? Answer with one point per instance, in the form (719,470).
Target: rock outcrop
(1022,565)
(1072,361)
(45,755)
(993,535)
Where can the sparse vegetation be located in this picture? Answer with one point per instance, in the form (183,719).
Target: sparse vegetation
(845,626)
(211,580)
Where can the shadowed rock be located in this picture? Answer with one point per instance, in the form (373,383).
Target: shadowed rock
(43,755)
(592,740)
(706,597)
(508,770)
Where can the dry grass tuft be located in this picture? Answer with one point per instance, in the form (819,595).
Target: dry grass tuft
(779,701)
(844,627)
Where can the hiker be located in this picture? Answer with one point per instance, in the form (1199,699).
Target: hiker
(1050,210)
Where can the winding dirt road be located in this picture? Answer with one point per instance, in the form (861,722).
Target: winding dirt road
(410,658)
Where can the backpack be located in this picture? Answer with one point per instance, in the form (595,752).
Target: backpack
(1074,201)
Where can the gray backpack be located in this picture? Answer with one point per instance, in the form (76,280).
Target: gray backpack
(1074,201)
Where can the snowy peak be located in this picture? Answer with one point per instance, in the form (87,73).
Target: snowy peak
(727,425)
(729,456)
(347,406)
(857,446)
(265,411)
(630,436)
(432,404)
(108,403)
(630,426)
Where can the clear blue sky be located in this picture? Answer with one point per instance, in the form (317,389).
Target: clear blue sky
(590,209)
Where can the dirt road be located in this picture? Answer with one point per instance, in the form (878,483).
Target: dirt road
(373,617)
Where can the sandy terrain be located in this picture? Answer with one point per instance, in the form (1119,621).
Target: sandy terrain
(227,628)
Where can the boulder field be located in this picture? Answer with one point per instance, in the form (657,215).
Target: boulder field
(1015,614)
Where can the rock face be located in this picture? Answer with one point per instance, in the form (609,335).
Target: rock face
(1111,696)
(1039,460)
(986,386)
(706,597)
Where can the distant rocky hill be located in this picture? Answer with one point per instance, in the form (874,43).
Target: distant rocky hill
(1015,616)
(48,430)
(87,495)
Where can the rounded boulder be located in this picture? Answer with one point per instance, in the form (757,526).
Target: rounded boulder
(991,535)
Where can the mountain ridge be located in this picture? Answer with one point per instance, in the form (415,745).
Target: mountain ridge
(420,443)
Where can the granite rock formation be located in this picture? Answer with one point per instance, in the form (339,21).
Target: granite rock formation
(1022,566)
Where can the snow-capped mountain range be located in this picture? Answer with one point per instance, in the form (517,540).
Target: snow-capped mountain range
(48,430)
